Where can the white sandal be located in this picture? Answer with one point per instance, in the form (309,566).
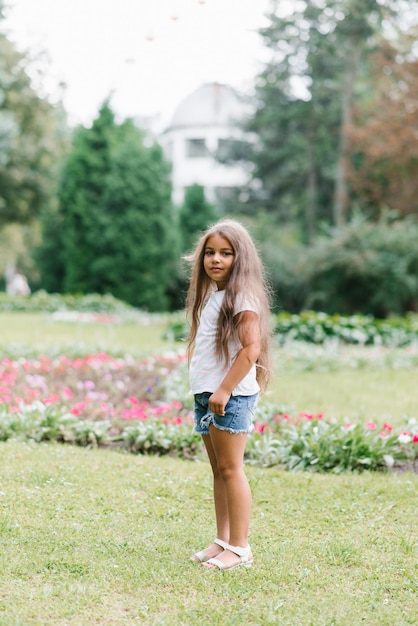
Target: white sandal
(244,558)
(202,557)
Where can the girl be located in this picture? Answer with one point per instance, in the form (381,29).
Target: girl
(229,359)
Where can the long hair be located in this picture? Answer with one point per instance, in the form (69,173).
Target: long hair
(246,279)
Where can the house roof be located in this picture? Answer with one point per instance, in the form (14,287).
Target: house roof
(212,104)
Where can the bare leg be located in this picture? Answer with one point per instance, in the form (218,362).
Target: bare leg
(228,449)
(220,502)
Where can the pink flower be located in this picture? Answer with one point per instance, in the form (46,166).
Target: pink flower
(387,426)
(53,397)
(383,434)
(78,408)
(307,416)
(415,438)
(67,392)
(371,425)
(259,427)
(176,405)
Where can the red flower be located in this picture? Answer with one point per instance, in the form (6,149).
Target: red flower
(415,438)
(387,426)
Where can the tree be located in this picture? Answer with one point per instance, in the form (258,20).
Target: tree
(304,105)
(297,115)
(194,216)
(81,192)
(117,232)
(384,172)
(137,241)
(32,139)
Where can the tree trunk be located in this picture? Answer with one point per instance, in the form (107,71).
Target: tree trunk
(310,208)
(341,185)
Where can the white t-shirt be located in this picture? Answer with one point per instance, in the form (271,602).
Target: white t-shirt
(206,370)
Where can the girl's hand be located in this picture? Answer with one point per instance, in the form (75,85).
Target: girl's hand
(218,401)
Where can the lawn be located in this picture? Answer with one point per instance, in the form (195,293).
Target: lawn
(40,332)
(382,395)
(91,536)
(99,537)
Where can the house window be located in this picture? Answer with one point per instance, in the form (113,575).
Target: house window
(196,148)
(225,147)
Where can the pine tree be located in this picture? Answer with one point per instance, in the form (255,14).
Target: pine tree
(305,99)
(117,231)
(195,216)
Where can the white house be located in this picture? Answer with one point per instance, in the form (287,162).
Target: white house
(203,123)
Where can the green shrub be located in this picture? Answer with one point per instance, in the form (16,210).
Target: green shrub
(318,327)
(315,327)
(41,301)
(365,267)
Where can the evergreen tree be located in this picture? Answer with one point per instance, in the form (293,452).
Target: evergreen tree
(137,239)
(117,232)
(304,105)
(195,215)
(81,195)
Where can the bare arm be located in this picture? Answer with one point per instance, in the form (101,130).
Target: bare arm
(246,357)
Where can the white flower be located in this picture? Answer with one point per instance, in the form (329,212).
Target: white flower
(404,437)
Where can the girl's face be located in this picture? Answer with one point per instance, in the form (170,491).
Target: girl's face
(218,260)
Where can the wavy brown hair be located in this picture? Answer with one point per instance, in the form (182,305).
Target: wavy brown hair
(247,278)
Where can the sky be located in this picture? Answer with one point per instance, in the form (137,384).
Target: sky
(149,54)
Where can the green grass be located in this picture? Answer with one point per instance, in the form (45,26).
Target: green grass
(41,332)
(99,537)
(383,395)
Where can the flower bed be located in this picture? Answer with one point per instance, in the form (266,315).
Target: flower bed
(310,442)
(142,406)
(96,400)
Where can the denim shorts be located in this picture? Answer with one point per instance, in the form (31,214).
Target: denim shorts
(238,418)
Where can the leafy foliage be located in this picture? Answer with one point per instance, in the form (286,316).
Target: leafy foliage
(195,216)
(383,172)
(365,268)
(317,74)
(318,328)
(32,140)
(113,230)
(42,301)
(310,443)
